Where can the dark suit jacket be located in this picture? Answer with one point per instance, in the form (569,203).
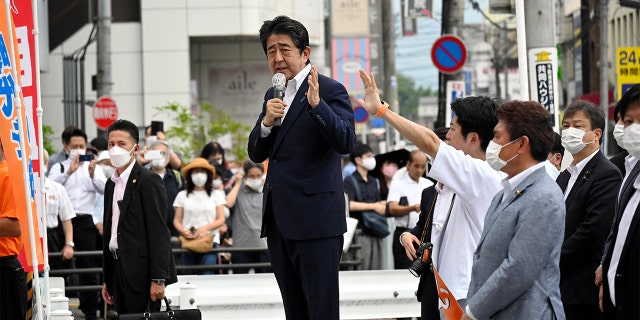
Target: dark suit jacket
(590,210)
(427,290)
(304,179)
(627,281)
(143,237)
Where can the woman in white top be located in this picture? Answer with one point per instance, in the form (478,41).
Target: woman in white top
(198,210)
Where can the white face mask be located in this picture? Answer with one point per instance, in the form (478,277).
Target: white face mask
(74,152)
(632,139)
(107,169)
(618,134)
(217,183)
(199,179)
(159,163)
(493,155)
(572,139)
(369,163)
(255,184)
(120,157)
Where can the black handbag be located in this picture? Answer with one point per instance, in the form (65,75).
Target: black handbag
(375,223)
(372,222)
(169,314)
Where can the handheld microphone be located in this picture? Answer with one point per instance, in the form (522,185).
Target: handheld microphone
(278,80)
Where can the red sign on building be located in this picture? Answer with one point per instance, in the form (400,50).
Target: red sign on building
(105,112)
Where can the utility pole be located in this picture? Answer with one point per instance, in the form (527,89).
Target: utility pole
(604,64)
(103,77)
(541,52)
(452,23)
(390,80)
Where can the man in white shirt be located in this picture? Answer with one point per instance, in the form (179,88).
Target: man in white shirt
(59,211)
(404,202)
(460,168)
(82,181)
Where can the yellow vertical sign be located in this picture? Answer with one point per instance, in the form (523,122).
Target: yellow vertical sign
(628,68)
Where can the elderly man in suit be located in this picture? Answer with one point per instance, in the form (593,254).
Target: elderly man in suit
(303,211)
(137,256)
(590,185)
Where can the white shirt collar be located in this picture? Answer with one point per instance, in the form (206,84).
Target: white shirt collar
(509,184)
(296,82)
(575,169)
(124,176)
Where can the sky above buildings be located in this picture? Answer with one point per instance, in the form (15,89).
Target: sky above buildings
(413,53)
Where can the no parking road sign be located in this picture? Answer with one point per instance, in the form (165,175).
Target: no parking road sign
(448,54)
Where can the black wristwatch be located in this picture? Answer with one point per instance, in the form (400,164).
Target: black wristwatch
(158,281)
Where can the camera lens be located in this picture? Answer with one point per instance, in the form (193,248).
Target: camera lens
(417,267)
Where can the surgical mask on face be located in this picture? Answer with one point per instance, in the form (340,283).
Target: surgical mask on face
(493,155)
(572,139)
(618,134)
(120,157)
(159,163)
(217,183)
(74,152)
(388,170)
(107,169)
(255,184)
(369,163)
(632,139)
(199,179)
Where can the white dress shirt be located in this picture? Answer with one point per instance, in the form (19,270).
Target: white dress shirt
(58,203)
(120,181)
(405,186)
(290,92)
(552,171)
(574,170)
(80,186)
(623,230)
(475,184)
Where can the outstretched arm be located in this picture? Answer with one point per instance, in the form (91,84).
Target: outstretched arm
(424,138)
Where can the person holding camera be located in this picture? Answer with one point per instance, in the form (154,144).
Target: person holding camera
(467,182)
(404,202)
(363,191)
(83,181)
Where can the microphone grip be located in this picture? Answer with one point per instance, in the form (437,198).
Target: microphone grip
(278,93)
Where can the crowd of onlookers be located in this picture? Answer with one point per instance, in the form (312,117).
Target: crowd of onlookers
(203,196)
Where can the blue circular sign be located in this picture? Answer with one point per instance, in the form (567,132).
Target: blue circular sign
(448,54)
(360,114)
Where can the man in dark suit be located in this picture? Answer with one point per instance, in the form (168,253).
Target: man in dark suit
(619,277)
(590,185)
(138,261)
(303,211)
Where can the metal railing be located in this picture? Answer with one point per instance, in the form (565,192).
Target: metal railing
(350,261)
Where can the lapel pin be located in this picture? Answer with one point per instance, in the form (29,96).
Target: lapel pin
(134,180)
(518,193)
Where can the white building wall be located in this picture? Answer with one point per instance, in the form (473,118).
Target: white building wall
(152,62)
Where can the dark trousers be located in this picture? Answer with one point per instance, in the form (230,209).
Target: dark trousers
(307,274)
(428,296)
(13,289)
(84,237)
(400,259)
(249,257)
(126,298)
(583,311)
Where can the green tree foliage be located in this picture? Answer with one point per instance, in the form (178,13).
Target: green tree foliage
(409,96)
(47,132)
(192,130)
